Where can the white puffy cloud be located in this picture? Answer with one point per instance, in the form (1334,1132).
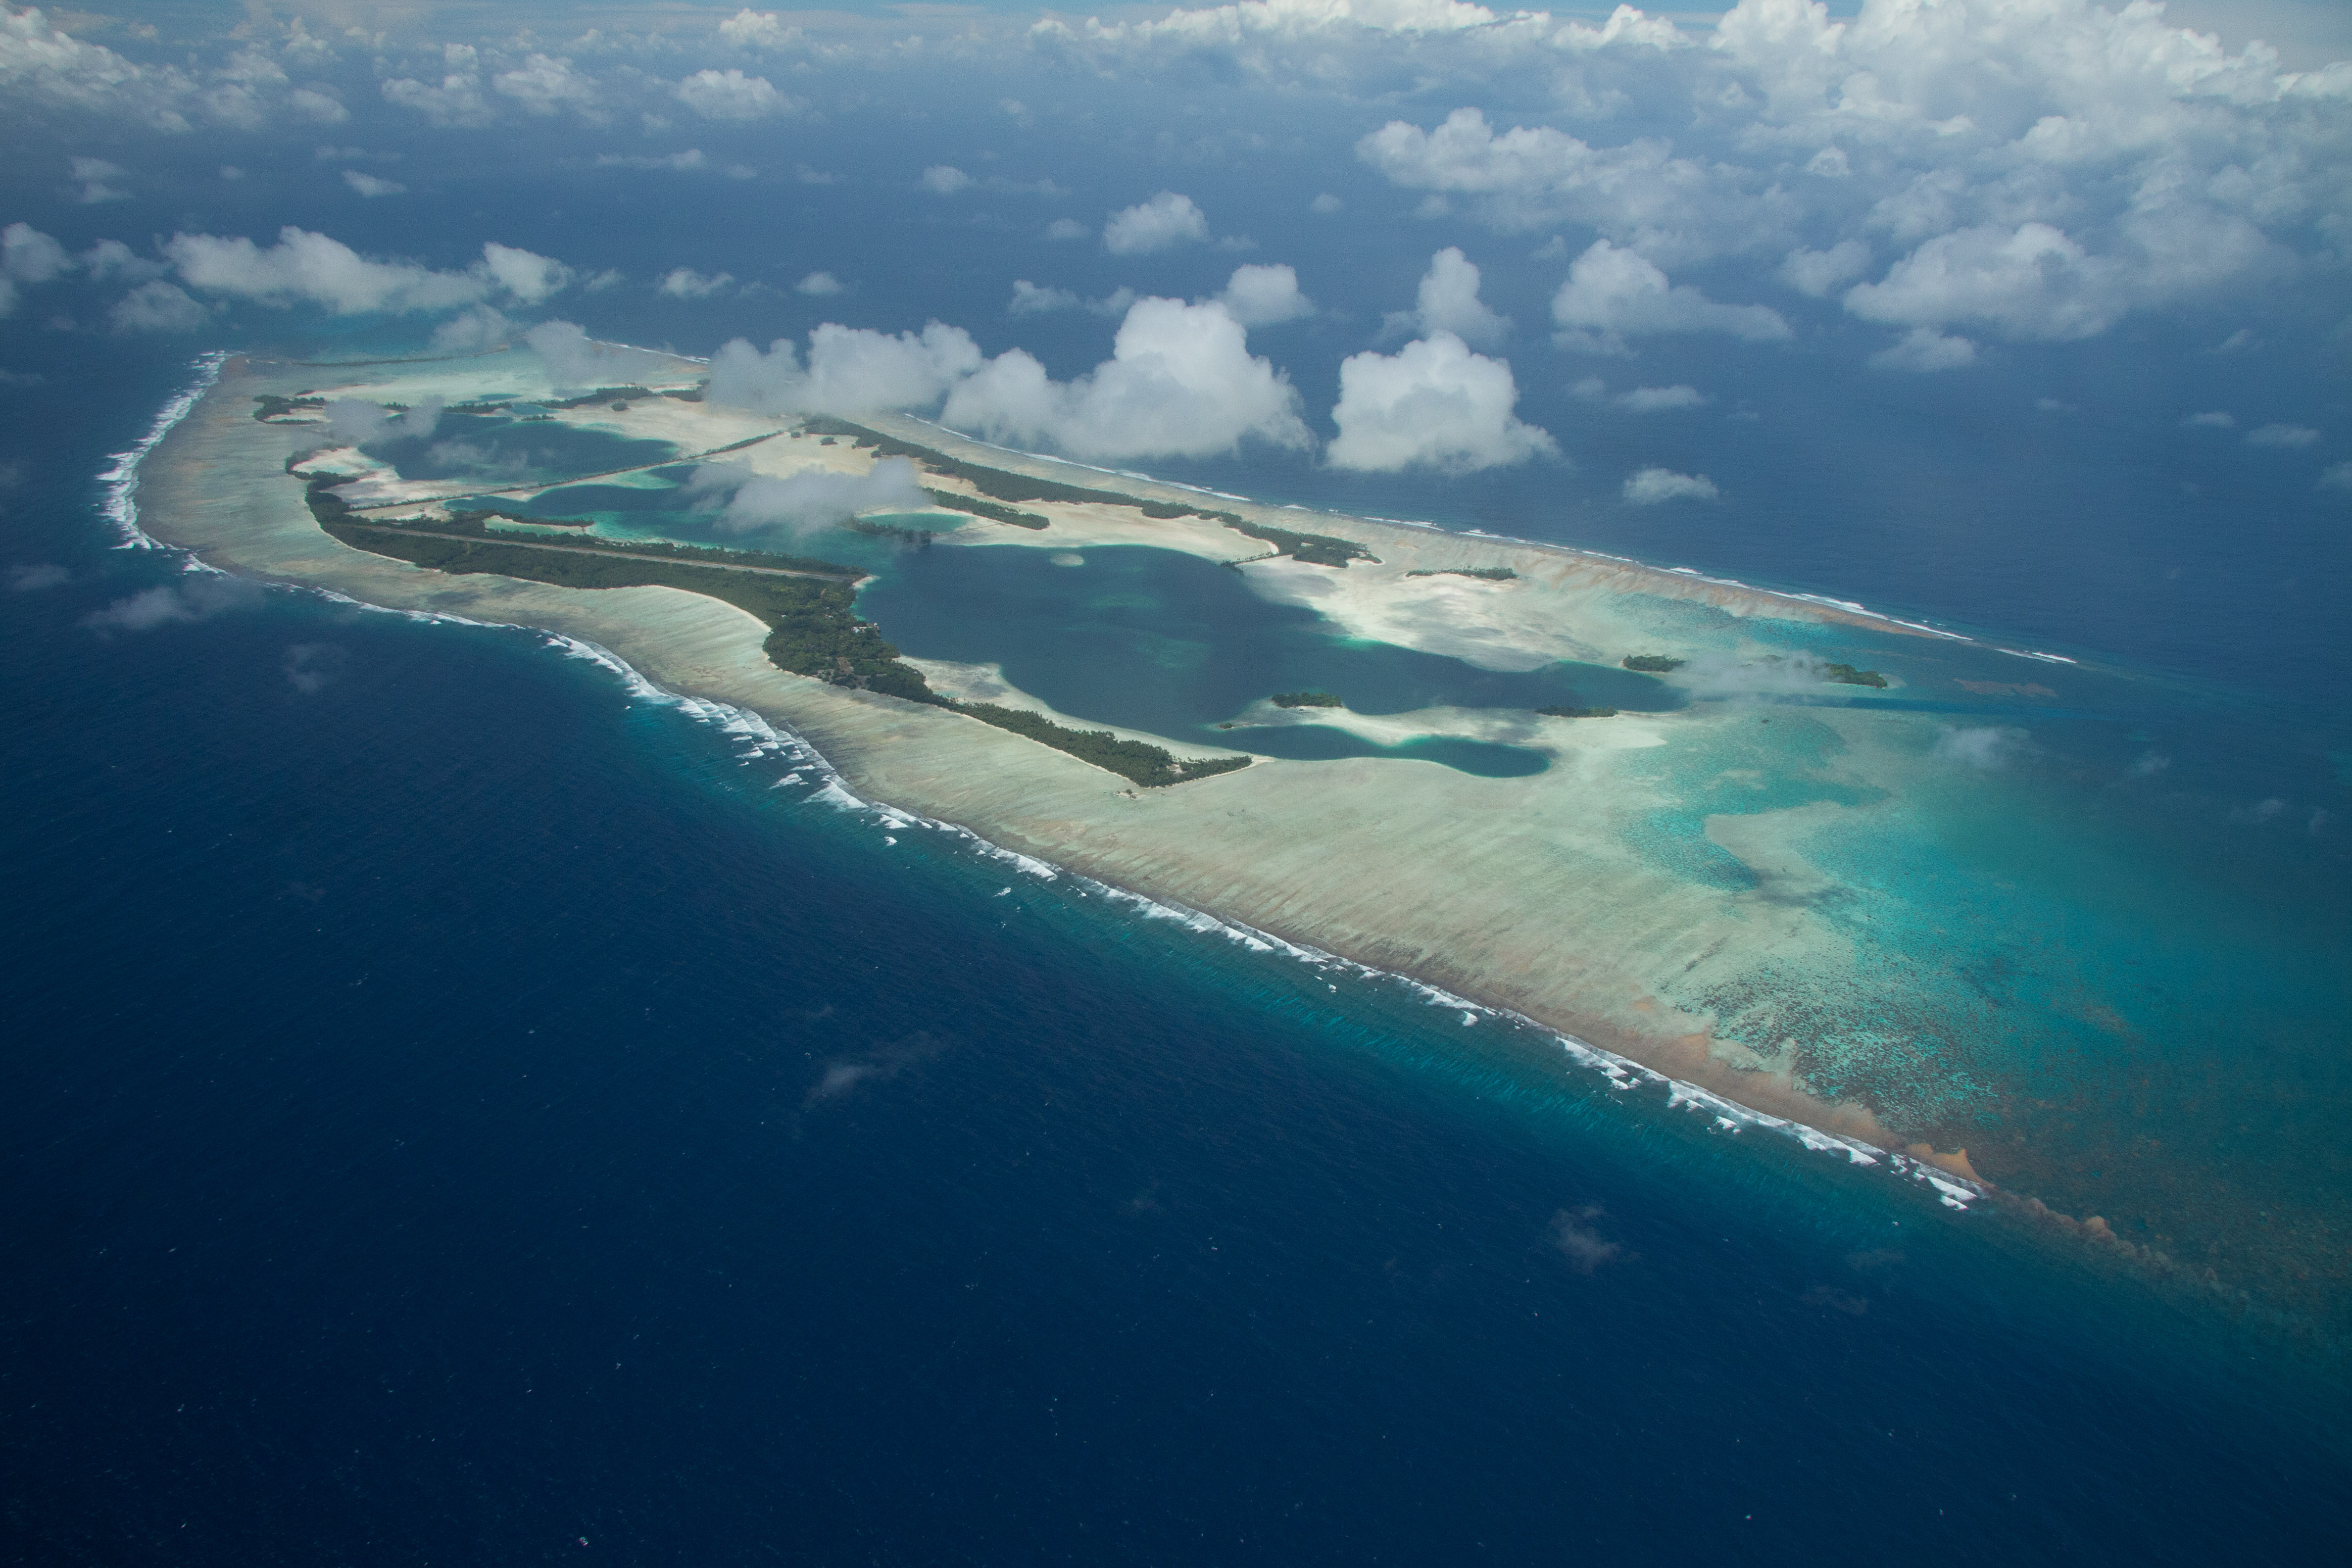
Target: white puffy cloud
(2212,420)
(1165,220)
(199,597)
(545,85)
(1613,294)
(1448,302)
(1264,296)
(750,29)
(808,499)
(1923,349)
(1029,300)
(1433,404)
(685,283)
(577,362)
(357,421)
(1181,381)
(2289,437)
(369,184)
(112,258)
(690,159)
(732,95)
(318,105)
(1986,748)
(1652,487)
(2031,282)
(818,285)
(27,256)
(455,100)
(307,268)
(1816,272)
(92,174)
(476,328)
(157,307)
(1067,228)
(1648,399)
(944,179)
(851,370)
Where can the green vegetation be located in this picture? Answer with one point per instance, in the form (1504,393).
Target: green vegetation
(602,394)
(1486,574)
(1846,675)
(1317,549)
(813,628)
(273,406)
(1151,766)
(1578,712)
(987,509)
(918,537)
(1307,700)
(1653,663)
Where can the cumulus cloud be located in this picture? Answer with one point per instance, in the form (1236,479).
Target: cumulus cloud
(732,95)
(1585,1247)
(312,666)
(577,362)
(545,85)
(1448,302)
(358,422)
(1029,300)
(369,184)
(92,174)
(818,285)
(1434,403)
(750,29)
(685,283)
(476,328)
(27,256)
(1067,228)
(1923,349)
(1985,748)
(850,370)
(2030,283)
(1613,294)
(944,179)
(1643,399)
(199,598)
(157,307)
(1264,296)
(1326,204)
(1167,219)
(310,269)
(2293,437)
(808,499)
(455,100)
(2212,420)
(690,159)
(2337,477)
(1181,381)
(37,577)
(1816,272)
(1653,487)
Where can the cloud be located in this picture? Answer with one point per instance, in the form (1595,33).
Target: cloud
(456,101)
(809,500)
(846,1073)
(1816,272)
(2213,419)
(1264,296)
(690,159)
(944,179)
(818,285)
(1585,1249)
(307,268)
(1985,748)
(27,256)
(1653,487)
(578,362)
(544,85)
(2032,282)
(1067,228)
(1924,350)
(732,95)
(91,174)
(1661,399)
(312,666)
(1167,219)
(1029,300)
(685,283)
(2290,437)
(2337,477)
(37,577)
(476,328)
(1613,294)
(358,422)
(198,599)
(369,184)
(750,29)
(1325,205)
(1181,381)
(1448,302)
(1434,403)
(851,370)
(157,307)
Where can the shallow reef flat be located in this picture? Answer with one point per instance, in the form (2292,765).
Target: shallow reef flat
(1704,891)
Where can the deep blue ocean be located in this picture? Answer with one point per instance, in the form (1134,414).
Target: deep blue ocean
(457,1111)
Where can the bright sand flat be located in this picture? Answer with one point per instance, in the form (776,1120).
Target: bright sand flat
(1529,893)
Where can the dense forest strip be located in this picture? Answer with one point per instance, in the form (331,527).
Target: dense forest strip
(609,551)
(585,479)
(814,627)
(1317,549)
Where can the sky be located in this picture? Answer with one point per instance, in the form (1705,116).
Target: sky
(1408,257)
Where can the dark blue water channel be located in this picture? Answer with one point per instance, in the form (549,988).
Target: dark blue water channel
(1165,642)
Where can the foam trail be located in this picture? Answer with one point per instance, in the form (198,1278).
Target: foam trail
(120,506)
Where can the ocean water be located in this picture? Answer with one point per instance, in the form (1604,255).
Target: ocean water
(461,1107)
